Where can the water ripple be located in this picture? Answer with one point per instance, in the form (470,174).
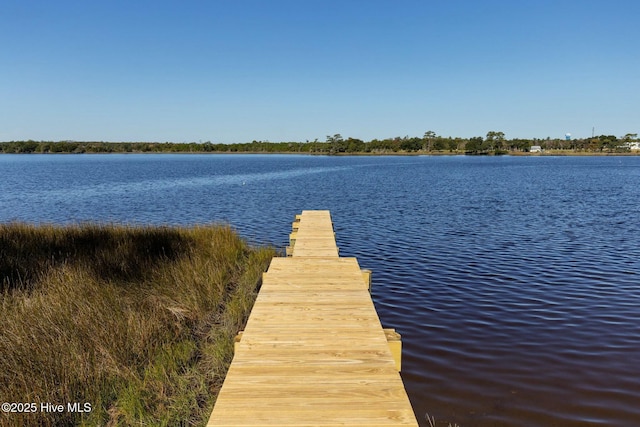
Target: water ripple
(515,282)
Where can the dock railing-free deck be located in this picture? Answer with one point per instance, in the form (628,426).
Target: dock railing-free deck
(314,352)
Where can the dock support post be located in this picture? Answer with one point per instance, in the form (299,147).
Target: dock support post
(236,341)
(366,276)
(296,223)
(394,340)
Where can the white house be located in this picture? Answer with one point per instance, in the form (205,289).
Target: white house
(535,149)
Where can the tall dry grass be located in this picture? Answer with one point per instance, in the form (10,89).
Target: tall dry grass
(137,322)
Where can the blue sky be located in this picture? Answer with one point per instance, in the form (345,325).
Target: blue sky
(234,71)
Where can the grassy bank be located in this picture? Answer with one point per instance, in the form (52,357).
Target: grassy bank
(136,322)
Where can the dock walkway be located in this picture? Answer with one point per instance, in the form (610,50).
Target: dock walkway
(313,352)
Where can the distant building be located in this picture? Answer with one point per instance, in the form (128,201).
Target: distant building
(632,145)
(535,149)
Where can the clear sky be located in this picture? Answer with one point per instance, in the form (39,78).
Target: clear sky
(296,70)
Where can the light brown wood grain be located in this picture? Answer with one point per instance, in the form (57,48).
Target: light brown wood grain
(313,352)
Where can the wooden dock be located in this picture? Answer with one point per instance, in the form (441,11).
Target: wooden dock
(313,352)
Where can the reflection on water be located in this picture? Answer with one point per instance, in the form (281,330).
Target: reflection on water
(158,184)
(514,281)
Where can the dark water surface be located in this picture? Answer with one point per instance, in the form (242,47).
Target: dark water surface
(514,281)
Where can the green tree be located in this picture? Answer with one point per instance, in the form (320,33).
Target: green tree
(495,140)
(428,140)
(440,143)
(410,144)
(607,142)
(355,145)
(336,143)
(474,145)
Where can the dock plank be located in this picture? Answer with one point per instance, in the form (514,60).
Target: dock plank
(313,352)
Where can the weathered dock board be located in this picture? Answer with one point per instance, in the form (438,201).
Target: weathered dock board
(313,352)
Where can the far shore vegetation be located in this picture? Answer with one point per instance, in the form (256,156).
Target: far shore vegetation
(137,322)
(493,143)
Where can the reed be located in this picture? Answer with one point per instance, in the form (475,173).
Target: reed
(137,322)
(432,421)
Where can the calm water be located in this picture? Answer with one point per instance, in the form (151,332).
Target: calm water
(515,281)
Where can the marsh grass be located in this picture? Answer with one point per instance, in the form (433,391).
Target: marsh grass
(137,321)
(432,421)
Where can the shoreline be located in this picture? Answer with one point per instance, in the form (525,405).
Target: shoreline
(549,153)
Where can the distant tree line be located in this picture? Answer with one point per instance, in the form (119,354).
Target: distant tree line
(493,143)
